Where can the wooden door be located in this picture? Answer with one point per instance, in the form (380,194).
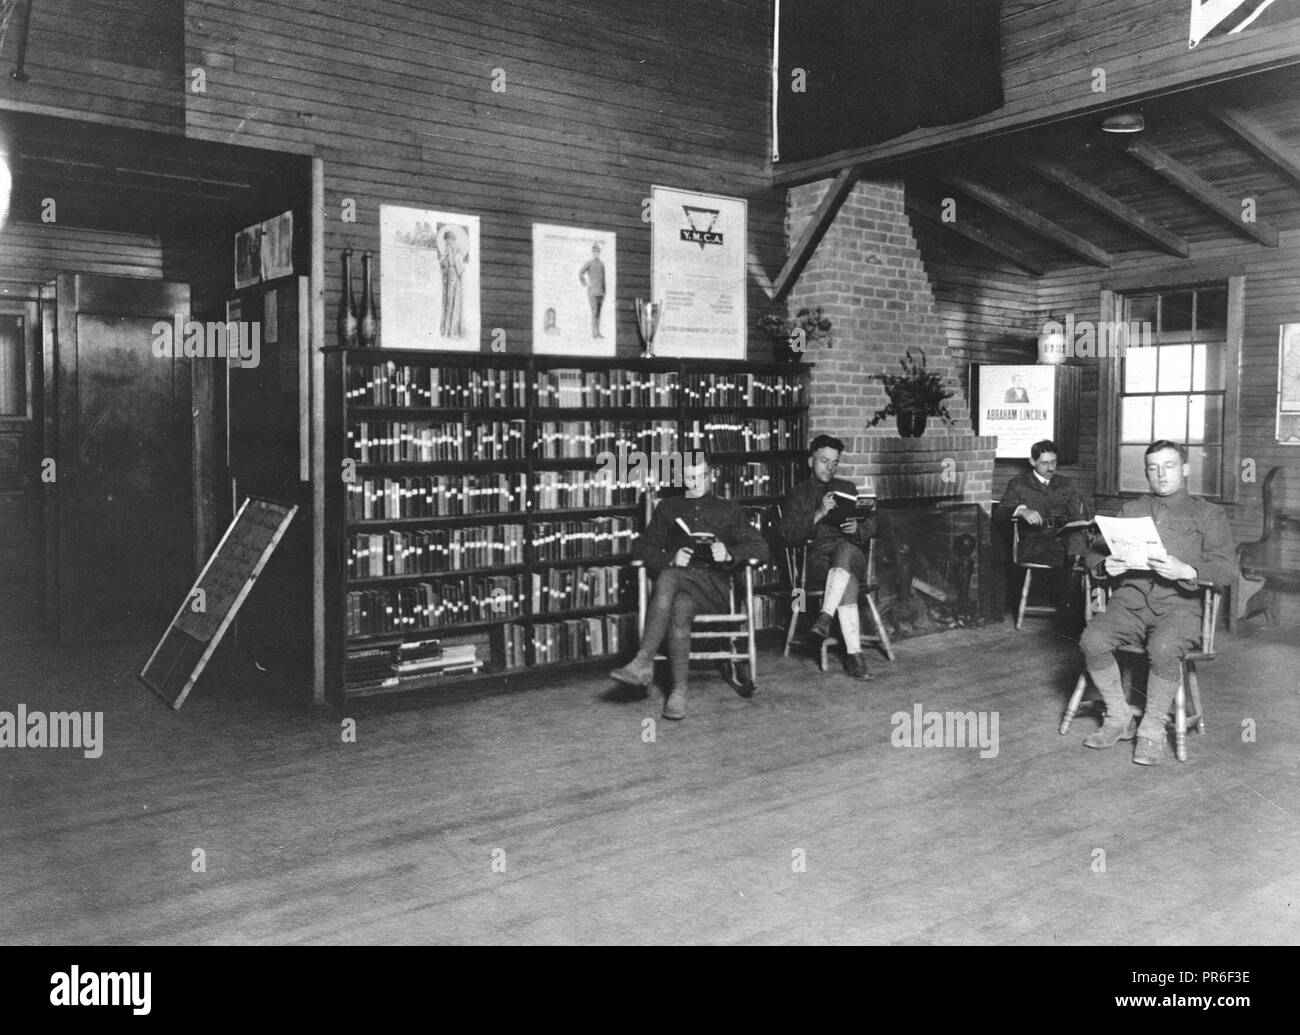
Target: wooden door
(267,428)
(21,547)
(123,436)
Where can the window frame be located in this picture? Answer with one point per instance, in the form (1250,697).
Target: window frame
(1110,378)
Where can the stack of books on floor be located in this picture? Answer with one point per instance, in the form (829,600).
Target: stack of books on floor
(375,668)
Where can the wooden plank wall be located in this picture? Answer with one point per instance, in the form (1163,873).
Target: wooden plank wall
(32,253)
(111,60)
(602,99)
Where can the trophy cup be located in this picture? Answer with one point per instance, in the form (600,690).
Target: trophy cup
(647,324)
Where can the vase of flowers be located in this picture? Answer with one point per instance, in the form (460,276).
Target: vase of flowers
(791,338)
(914,396)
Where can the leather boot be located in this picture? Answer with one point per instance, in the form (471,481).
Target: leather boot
(1150,746)
(1118,725)
(638,672)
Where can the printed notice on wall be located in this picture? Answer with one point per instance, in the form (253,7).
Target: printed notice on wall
(1018,405)
(574,277)
(698,270)
(429,279)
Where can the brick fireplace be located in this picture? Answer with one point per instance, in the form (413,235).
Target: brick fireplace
(937,561)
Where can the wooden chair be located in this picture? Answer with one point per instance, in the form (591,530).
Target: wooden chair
(735,628)
(796,560)
(1268,564)
(1029,567)
(1187,681)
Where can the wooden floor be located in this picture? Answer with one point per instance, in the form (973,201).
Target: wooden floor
(693,838)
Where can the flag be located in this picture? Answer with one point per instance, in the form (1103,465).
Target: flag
(1213,18)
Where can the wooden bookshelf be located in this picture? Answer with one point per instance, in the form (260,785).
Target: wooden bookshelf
(422,420)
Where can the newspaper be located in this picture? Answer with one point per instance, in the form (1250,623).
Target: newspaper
(1135,541)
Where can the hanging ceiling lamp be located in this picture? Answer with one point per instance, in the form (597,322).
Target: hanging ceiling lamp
(1124,122)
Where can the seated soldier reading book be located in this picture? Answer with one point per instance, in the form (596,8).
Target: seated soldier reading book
(818,512)
(692,545)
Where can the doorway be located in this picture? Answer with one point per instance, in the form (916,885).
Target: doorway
(137,485)
(22,545)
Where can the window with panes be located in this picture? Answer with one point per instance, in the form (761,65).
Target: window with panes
(1175,387)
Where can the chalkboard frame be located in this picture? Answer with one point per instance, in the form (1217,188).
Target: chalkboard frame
(181,642)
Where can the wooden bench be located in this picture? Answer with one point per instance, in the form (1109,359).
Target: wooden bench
(1272,563)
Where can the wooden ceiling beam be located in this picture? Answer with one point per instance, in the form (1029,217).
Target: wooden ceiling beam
(1011,209)
(814,231)
(985,240)
(1261,138)
(1122,212)
(1227,208)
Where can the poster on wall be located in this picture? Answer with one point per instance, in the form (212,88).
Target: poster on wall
(1018,405)
(698,270)
(429,279)
(264,251)
(574,291)
(1288,384)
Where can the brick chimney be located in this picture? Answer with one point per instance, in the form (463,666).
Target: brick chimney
(867,277)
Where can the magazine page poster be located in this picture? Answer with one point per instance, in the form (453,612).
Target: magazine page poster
(574,291)
(1018,405)
(428,279)
(264,251)
(698,271)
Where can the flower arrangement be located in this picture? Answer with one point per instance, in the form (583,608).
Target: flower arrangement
(916,390)
(790,337)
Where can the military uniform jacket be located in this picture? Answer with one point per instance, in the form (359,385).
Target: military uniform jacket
(801,504)
(725,519)
(1192,530)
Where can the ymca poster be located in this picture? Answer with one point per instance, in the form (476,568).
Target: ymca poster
(1018,405)
(698,271)
(429,279)
(574,291)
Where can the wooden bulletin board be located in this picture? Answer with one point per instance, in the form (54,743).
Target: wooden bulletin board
(215,598)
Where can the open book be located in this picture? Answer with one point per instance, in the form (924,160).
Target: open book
(849,507)
(699,542)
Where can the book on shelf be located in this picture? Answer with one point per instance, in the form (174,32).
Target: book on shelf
(576,589)
(569,640)
(419,385)
(732,433)
(565,387)
(385,667)
(392,442)
(433,605)
(742,389)
(440,495)
(591,537)
(434,551)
